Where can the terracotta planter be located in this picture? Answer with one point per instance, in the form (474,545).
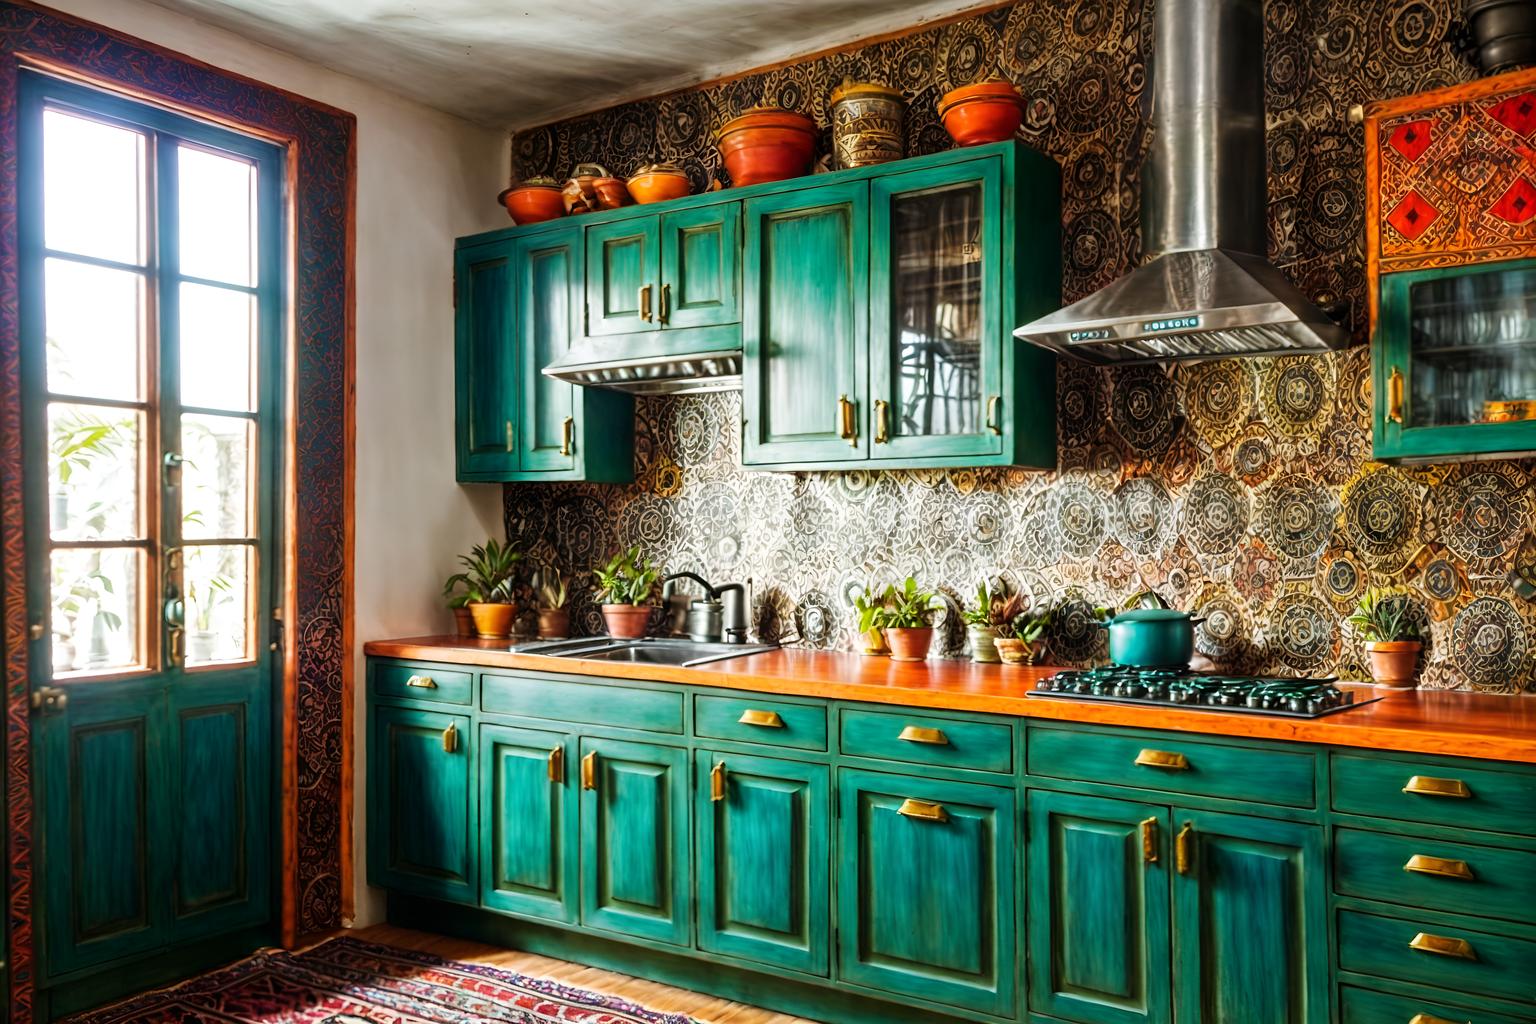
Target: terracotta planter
(1394,663)
(909,644)
(535,200)
(983,648)
(767,144)
(554,623)
(627,621)
(656,183)
(493,621)
(591,188)
(872,644)
(977,114)
(463,622)
(1014,651)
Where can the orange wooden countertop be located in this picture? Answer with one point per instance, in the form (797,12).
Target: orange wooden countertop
(1416,721)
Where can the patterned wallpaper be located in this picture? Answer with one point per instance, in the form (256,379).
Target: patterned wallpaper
(1242,490)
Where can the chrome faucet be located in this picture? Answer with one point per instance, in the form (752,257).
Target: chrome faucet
(719,616)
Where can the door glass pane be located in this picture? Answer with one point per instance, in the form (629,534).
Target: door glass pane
(217,602)
(217,339)
(93,188)
(1474,349)
(215,476)
(94,613)
(936,269)
(217,196)
(93,319)
(93,472)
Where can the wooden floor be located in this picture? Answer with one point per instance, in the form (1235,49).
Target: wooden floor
(650,994)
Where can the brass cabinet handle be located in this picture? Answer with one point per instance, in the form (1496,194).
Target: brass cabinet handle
(557,764)
(882,421)
(1428,785)
(1424,1018)
(510,446)
(717,782)
(645,303)
(922,810)
(589,771)
(567,435)
(992,423)
(846,428)
(923,734)
(1424,865)
(1442,945)
(1149,840)
(765,719)
(1163,759)
(1183,849)
(422,682)
(1395,395)
(450,739)
(666,303)
(176,644)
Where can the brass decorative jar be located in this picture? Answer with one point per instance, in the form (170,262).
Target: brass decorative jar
(867,124)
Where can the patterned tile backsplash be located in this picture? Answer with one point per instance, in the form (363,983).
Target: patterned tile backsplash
(1242,490)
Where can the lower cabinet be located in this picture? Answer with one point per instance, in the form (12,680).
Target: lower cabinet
(528,821)
(420,805)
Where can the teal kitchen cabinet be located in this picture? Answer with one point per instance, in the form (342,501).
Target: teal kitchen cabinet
(635,851)
(925,904)
(421,804)
(518,302)
(528,823)
(623,260)
(656,273)
(764,828)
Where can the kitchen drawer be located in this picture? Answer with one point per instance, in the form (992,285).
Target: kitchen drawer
(1481,798)
(567,700)
(1174,764)
(1364,1006)
(893,736)
(421,682)
(1492,965)
(753,720)
(1467,879)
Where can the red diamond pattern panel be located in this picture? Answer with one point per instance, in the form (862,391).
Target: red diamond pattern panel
(1517,113)
(1413,215)
(1518,203)
(1412,139)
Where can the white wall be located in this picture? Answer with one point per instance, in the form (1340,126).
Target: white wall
(423,178)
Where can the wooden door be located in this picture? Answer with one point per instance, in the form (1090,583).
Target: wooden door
(805,326)
(763,837)
(1098,909)
(420,804)
(623,279)
(546,272)
(701,267)
(485,368)
(926,889)
(635,876)
(528,821)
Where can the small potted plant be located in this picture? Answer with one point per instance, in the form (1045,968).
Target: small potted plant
(458,603)
(869,603)
(994,608)
(554,617)
(487,582)
(908,620)
(202,639)
(626,583)
(1384,618)
(1021,637)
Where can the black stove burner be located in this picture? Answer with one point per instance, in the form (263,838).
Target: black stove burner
(1174,687)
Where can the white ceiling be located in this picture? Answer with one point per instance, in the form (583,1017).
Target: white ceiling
(516,64)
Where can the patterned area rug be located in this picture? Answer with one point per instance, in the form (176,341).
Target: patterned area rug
(346,981)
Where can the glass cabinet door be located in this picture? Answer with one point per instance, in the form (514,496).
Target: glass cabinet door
(936,337)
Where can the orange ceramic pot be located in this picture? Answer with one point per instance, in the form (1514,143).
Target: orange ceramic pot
(982,113)
(535,200)
(1394,663)
(627,621)
(554,623)
(463,622)
(767,144)
(656,183)
(909,644)
(493,621)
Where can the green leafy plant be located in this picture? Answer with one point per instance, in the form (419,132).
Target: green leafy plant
(626,578)
(909,606)
(487,577)
(551,588)
(1025,624)
(206,600)
(1384,615)
(869,602)
(994,608)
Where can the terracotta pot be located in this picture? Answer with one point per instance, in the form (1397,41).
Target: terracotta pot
(463,622)
(535,200)
(627,621)
(767,144)
(1014,651)
(977,114)
(656,183)
(983,650)
(872,644)
(554,623)
(909,644)
(591,188)
(1394,663)
(493,621)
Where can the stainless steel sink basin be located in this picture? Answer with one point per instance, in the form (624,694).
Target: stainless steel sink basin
(651,651)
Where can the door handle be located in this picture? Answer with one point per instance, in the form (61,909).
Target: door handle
(764,719)
(717,782)
(175,645)
(923,734)
(1428,785)
(1149,841)
(511,446)
(422,682)
(846,429)
(1395,395)
(450,739)
(1183,849)
(567,435)
(645,303)
(1173,761)
(666,304)
(1424,865)
(557,765)
(589,771)
(992,422)
(922,810)
(882,421)
(1442,945)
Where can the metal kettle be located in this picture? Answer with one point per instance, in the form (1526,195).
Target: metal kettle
(719,616)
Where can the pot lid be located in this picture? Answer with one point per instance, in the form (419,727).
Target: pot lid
(1151,615)
(540,181)
(850,88)
(590,171)
(663,167)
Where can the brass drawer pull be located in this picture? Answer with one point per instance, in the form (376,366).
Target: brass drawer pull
(763,719)
(1425,865)
(645,303)
(922,810)
(1183,849)
(422,682)
(1149,840)
(1428,785)
(1441,945)
(589,771)
(882,421)
(567,435)
(992,422)
(1163,759)
(923,734)
(846,428)
(717,782)
(450,739)
(1424,1018)
(557,765)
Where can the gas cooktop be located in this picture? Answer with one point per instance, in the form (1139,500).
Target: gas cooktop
(1183,688)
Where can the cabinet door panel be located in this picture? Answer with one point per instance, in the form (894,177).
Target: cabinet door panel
(528,822)
(701,267)
(1249,939)
(634,840)
(1098,906)
(419,804)
(485,369)
(805,324)
(548,291)
(926,889)
(621,261)
(763,859)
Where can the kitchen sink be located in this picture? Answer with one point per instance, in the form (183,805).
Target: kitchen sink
(651,651)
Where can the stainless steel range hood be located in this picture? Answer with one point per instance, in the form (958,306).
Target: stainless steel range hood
(1206,290)
(633,363)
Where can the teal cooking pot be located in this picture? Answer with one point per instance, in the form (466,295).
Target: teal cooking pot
(1151,638)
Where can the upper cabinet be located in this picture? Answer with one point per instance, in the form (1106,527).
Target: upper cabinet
(1451,253)
(677,271)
